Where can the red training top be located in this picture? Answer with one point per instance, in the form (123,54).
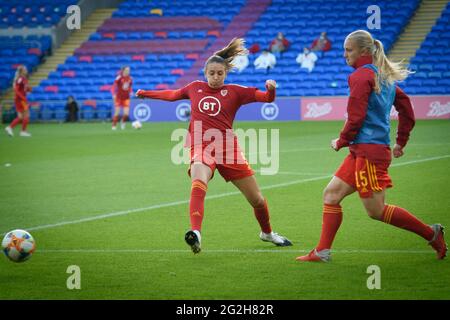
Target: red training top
(122,87)
(20,89)
(361,83)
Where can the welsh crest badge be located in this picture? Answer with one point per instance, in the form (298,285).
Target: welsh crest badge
(223,92)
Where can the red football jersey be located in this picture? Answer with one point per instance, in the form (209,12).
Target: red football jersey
(122,87)
(20,89)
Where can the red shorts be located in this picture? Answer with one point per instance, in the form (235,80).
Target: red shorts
(21,106)
(364,176)
(230,170)
(119,103)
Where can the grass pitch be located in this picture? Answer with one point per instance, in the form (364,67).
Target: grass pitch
(115,205)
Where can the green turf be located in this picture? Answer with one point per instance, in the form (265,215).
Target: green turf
(67,172)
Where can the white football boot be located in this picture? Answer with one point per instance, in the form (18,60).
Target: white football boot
(9,131)
(275,238)
(25,134)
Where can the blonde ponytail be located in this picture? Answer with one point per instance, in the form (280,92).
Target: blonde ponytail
(18,73)
(388,71)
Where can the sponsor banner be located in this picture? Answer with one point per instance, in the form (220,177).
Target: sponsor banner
(284,109)
(431,107)
(324,108)
(335,108)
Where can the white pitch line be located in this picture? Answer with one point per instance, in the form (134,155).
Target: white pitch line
(420,160)
(218,196)
(295,173)
(243,251)
(393,165)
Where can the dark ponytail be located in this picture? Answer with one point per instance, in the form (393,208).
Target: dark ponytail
(226,55)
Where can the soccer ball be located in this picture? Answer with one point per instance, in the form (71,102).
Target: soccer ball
(136,124)
(18,245)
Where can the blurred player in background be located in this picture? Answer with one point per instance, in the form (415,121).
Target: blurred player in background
(214,106)
(366,133)
(121,92)
(21,89)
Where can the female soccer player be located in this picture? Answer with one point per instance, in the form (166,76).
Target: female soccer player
(121,91)
(20,100)
(366,133)
(214,106)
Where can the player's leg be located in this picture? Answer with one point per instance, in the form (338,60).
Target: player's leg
(125,115)
(250,189)
(340,186)
(25,121)
(401,218)
(336,190)
(200,176)
(15,122)
(115,117)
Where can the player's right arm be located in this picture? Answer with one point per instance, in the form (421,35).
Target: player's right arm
(167,95)
(361,83)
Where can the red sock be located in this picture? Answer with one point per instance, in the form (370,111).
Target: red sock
(332,219)
(262,215)
(401,218)
(115,119)
(25,123)
(15,122)
(197,204)
(124,118)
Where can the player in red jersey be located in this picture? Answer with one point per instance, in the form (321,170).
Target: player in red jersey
(366,133)
(21,89)
(121,91)
(214,106)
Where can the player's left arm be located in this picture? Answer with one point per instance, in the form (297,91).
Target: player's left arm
(269,94)
(406,121)
(252,94)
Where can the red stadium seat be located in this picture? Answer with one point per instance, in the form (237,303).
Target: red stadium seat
(51,89)
(85,58)
(69,74)
(162,86)
(177,71)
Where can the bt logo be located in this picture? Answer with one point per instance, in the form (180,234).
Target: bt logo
(269,111)
(142,112)
(209,105)
(183,111)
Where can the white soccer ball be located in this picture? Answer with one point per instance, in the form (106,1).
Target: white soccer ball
(136,124)
(18,245)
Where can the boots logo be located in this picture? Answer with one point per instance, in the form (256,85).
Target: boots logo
(437,109)
(209,105)
(316,110)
